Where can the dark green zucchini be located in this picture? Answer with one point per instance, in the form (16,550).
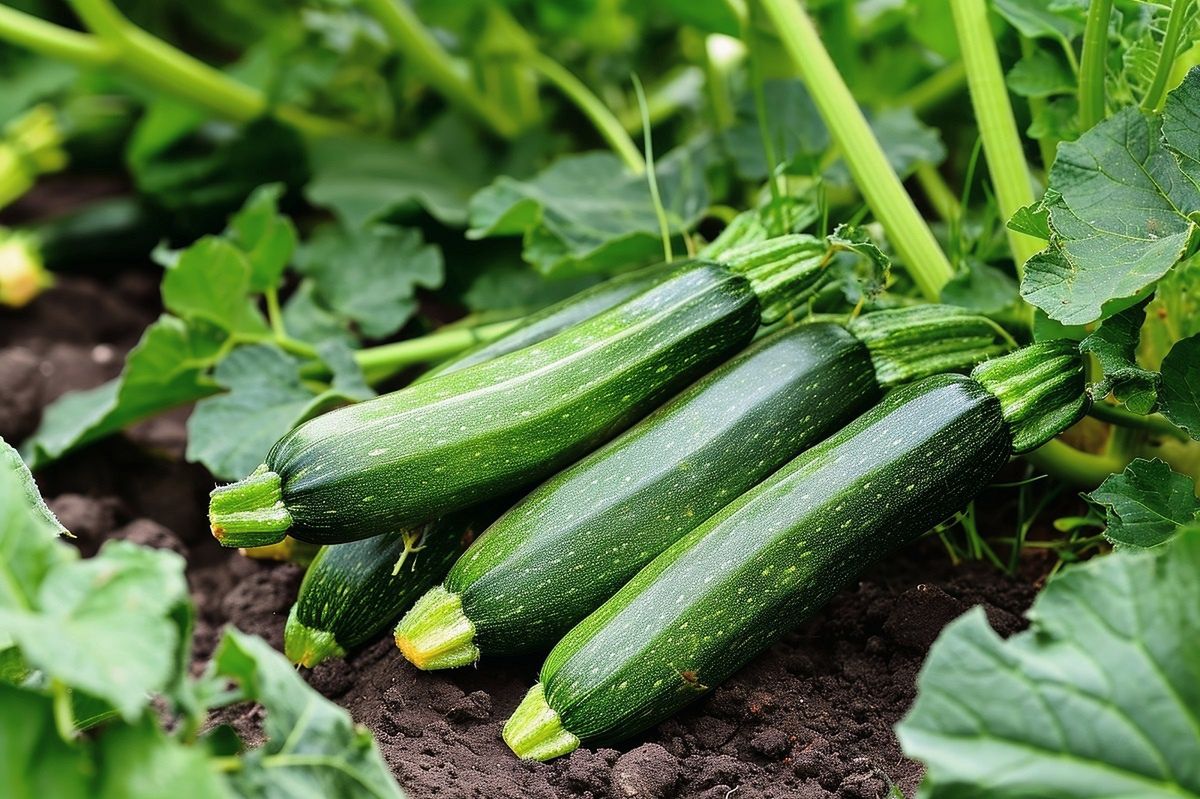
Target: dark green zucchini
(567,547)
(772,557)
(353,591)
(464,437)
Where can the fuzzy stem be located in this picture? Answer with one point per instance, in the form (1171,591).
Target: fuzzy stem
(436,633)
(535,731)
(1152,423)
(419,46)
(1153,101)
(872,173)
(1091,70)
(380,363)
(997,126)
(609,127)
(53,40)
(250,512)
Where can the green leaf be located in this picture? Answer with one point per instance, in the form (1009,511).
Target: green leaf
(107,625)
(166,369)
(1057,120)
(124,762)
(1099,700)
(29,533)
(906,141)
(1038,19)
(366,180)
(266,237)
(1032,220)
(1146,504)
(371,275)
(313,747)
(211,281)
(981,287)
(1115,346)
(1040,74)
(1181,125)
(1181,385)
(793,126)
(1120,219)
(306,317)
(587,213)
(231,433)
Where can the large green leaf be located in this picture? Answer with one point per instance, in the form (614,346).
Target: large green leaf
(587,213)
(29,533)
(1099,700)
(231,433)
(371,275)
(1181,385)
(267,237)
(1119,211)
(313,747)
(1115,346)
(1146,504)
(106,625)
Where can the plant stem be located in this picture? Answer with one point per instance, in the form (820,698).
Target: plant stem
(380,363)
(64,711)
(1091,70)
(1072,466)
(872,173)
(1152,423)
(1046,144)
(944,203)
(664,226)
(609,127)
(1153,101)
(53,40)
(997,126)
(417,44)
(934,90)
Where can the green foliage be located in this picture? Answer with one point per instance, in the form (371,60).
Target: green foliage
(1181,385)
(102,639)
(1098,699)
(1115,346)
(1146,504)
(1120,210)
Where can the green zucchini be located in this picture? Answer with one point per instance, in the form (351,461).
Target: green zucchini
(567,547)
(461,438)
(353,591)
(769,559)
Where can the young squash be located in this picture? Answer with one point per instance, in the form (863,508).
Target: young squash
(464,437)
(769,559)
(355,590)
(569,545)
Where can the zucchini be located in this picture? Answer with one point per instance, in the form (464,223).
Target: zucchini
(769,559)
(567,547)
(461,438)
(353,591)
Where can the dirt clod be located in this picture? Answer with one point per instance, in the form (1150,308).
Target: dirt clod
(648,772)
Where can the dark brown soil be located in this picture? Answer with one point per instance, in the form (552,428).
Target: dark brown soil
(811,718)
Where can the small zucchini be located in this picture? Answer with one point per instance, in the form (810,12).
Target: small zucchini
(575,540)
(461,438)
(771,558)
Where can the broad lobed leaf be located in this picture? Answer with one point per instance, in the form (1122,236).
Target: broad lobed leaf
(1146,504)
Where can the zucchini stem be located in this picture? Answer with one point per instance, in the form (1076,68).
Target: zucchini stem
(1154,423)
(307,647)
(380,363)
(436,633)
(606,124)
(535,731)
(250,512)
(1153,101)
(1091,70)
(1079,469)
(423,51)
(873,174)
(997,125)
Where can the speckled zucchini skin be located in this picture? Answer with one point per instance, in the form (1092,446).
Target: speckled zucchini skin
(729,588)
(612,512)
(543,324)
(461,438)
(350,591)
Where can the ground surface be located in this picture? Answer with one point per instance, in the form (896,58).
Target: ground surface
(811,718)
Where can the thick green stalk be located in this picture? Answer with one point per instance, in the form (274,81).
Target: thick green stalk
(872,173)
(1091,69)
(609,127)
(939,195)
(380,363)
(997,125)
(424,52)
(934,90)
(1156,94)
(53,40)
(1074,467)
(1154,423)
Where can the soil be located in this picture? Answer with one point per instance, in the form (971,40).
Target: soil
(811,718)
